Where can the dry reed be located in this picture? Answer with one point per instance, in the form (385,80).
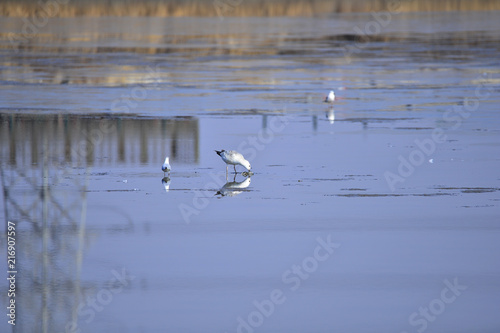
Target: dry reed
(159,8)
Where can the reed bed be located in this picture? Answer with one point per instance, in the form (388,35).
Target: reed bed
(164,8)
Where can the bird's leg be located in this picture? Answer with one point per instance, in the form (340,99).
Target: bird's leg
(234,165)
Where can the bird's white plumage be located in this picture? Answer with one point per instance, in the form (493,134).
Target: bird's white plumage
(166,165)
(234,158)
(330,98)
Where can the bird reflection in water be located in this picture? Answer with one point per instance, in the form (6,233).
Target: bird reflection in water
(166,183)
(330,115)
(231,189)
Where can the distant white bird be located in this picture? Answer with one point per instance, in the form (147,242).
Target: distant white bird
(330,98)
(234,158)
(166,166)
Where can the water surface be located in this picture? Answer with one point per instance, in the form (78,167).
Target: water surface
(400,173)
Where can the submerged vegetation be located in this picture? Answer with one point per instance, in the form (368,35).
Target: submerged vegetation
(162,8)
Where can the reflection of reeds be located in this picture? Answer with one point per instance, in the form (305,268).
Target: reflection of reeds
(107,141)
(26,8)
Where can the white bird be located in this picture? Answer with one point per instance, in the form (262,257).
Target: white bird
(166,166)
(234,158)
(330,98)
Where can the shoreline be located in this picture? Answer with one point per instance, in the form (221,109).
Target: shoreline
(230,8)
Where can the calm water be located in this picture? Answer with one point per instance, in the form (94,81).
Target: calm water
(379,213)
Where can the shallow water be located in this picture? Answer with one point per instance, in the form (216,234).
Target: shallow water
(400,174)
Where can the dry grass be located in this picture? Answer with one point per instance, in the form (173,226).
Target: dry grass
(27,8)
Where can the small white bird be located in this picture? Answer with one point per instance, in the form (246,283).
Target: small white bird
(234,158)
(330,98)
(166,166)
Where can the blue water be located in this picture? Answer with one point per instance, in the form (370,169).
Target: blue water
(399,175)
